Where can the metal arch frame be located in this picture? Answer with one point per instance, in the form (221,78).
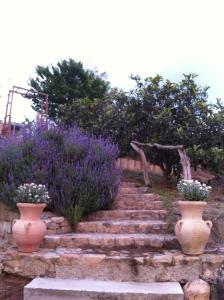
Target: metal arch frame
(26,93)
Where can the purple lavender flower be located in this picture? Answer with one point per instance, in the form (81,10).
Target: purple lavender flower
(78,169)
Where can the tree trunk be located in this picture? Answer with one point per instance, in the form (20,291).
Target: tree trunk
(185,163)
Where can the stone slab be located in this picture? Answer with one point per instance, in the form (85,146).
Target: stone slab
(133,190)
(138,197)
(127,184)
(68,289)
(138,204)
(111,241)
(123,226)
(119,214)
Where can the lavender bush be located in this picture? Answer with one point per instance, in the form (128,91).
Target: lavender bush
(77,169)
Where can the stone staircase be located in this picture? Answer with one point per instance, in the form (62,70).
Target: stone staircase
(137,221)
(131,243)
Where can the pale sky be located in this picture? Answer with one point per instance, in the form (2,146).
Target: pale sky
(120,37)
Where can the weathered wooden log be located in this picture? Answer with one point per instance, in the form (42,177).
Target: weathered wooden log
(197,290)
(144,164)
(184,158)
(165,147)
(185,163)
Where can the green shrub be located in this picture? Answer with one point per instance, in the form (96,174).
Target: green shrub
(211,159)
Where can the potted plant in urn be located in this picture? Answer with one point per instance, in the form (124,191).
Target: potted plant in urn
(29,230)
(192,231)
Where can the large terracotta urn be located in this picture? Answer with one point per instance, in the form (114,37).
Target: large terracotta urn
(28,232)
(192,231)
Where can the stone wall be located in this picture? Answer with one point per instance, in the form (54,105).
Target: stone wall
(130,164)
(7,215)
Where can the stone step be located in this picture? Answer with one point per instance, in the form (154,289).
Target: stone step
(121,214)
(127,184)
(138,197)
(123,226)
(128,204)
(133,190)
(123,265)
(111,241)
(69,289)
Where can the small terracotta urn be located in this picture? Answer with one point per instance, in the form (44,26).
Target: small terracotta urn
(192,231)
(28,232)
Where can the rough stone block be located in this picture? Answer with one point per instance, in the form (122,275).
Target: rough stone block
(5,228)
(57,220)
(66,229)
(197,289)
(52,225)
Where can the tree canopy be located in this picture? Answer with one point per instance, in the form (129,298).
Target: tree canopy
(175,113)
(155,111)
(67,82)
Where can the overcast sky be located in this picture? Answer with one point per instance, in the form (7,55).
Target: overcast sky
(144,37)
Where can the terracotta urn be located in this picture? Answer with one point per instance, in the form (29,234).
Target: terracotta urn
(28,232)
(192,231)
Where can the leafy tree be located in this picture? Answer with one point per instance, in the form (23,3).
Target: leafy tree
(156,111)
(210,155)
(170,111)
(174,113)
(88,114)
(65,83)
(211,159)
(108,116)
(215,125)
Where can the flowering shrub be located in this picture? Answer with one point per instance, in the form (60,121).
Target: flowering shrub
(32,193)
(77,169)
(193,190)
